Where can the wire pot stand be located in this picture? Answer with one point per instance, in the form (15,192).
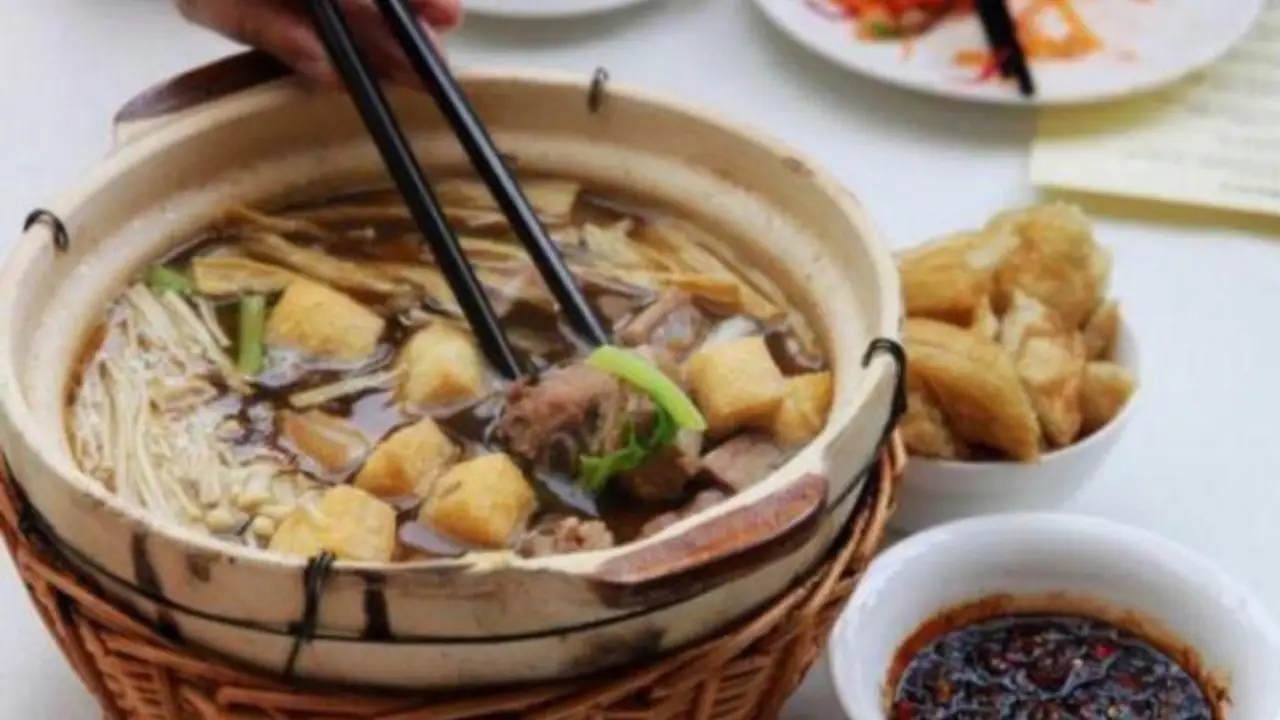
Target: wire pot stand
(747,671)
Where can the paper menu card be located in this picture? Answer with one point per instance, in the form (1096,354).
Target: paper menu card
(1213,140)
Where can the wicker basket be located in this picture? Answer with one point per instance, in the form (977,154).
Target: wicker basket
(746,672)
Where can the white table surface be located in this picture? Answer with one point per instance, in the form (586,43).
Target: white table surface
(1197,464)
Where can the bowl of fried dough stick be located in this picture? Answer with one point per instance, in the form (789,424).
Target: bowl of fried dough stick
(1021,370)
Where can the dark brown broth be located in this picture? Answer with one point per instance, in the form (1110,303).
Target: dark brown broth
(540,337)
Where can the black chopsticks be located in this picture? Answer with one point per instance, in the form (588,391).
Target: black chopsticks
(397,154)
(479,147)
(1006,48)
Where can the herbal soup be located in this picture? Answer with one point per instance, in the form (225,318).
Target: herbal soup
(303,381)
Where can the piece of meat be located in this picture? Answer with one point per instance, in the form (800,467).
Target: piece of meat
(577,410)
(618,414)
(563,404)
(567,535)
(744,460)
(671,323)
(663,477)
(702,501)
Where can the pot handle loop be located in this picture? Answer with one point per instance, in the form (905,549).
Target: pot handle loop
(898,403)
(194,90)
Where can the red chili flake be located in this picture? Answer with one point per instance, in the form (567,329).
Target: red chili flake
(904,711)
(991,68)
(1102,652)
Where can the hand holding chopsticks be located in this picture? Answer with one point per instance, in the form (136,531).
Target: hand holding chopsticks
(284,30)
(420,199)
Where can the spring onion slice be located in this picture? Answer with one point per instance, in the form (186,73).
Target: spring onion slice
(253,320)
(643,374)
(163,279)
(594,472)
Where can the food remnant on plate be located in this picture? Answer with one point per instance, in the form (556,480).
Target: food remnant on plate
(1010,338)
(1039,666)
(1048,30)
(886,19)
(303,380)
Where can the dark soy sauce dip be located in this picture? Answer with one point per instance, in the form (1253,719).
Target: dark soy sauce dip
(1042,667)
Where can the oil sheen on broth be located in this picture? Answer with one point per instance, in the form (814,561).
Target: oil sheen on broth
(303,380)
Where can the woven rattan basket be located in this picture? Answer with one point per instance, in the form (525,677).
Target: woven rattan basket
(747,672)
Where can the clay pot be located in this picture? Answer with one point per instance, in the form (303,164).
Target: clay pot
(241,131)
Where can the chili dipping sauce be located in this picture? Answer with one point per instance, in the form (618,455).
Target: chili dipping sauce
(1042,667)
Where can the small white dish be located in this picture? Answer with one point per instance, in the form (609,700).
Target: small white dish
(937,491)
(1034,555)
(1147,45)
(545,9)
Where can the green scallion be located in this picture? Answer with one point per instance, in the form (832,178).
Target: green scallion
(253,323)
(594,471)
(163,279)
(674,411)
(643,374)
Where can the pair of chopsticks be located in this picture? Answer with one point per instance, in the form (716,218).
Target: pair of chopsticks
(398,156)
(1006,48)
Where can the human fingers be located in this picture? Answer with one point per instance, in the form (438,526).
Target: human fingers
(283,28)
(278,27)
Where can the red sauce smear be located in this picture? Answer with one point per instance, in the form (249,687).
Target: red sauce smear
(1043,667)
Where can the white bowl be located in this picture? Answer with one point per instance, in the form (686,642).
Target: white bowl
(937,491)
(1028,555)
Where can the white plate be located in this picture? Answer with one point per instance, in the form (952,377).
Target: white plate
(1148,43)
(544,8)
